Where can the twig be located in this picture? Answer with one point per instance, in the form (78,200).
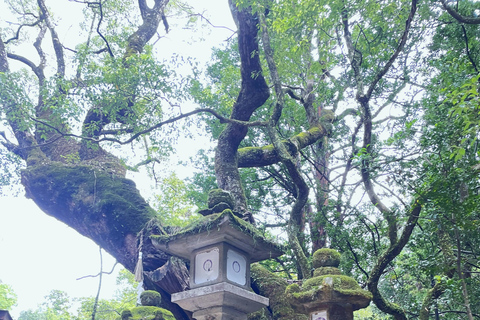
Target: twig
(17,34)
(98,274)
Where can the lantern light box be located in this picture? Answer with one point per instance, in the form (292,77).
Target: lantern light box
(220,263)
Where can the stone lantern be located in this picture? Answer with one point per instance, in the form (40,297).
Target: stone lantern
(220,249)
(328,295)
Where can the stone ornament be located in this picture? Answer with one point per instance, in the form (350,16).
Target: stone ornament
(328,295)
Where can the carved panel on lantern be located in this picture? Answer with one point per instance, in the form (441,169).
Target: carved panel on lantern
(206,265)
(320,315)
(236,267)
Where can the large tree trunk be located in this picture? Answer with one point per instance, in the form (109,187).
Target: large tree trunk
(253,94)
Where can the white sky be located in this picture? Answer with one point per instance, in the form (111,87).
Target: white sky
(39,253)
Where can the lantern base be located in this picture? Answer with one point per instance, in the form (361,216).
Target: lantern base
(221,301)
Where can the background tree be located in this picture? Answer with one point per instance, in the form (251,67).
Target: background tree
(8,298)
(125,298)
(58,305)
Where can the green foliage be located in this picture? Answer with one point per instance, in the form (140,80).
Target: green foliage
(464,111)
(173,204)
(368,314)
(8,298)
(125,298)
(58,305)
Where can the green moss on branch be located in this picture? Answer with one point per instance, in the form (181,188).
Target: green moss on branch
(267,155)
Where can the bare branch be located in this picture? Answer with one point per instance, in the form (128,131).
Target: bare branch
(467,49)
(152,128)
(55,40)
(100,7)
(17,34)
(355,258)
(210,23)
(98,274)
(401,45)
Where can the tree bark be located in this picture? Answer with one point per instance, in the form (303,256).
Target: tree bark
(253,94)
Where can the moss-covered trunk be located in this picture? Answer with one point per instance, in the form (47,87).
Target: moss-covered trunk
(101,206)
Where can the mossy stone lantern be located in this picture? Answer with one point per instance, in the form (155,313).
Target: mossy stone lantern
(328,295)
(220,249)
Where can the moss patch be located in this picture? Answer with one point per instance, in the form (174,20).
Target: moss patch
(273,287)
(150,298)
(328,286)
(322,271)
(314,288)
(326,258)
(252,153)
(340,282)
(212,221)
(147,313)
(217,196)
(80,190)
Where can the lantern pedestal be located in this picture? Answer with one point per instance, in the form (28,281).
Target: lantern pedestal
(223,301)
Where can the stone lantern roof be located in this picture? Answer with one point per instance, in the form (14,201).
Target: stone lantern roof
(327,287)
(224,226)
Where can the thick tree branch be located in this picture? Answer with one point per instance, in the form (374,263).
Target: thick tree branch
(39,71)
(253,94)
(427,301)
(367,138)
(25,61)
(366,173)
(458,16)
(267,155)
(392,252)
(151,19)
